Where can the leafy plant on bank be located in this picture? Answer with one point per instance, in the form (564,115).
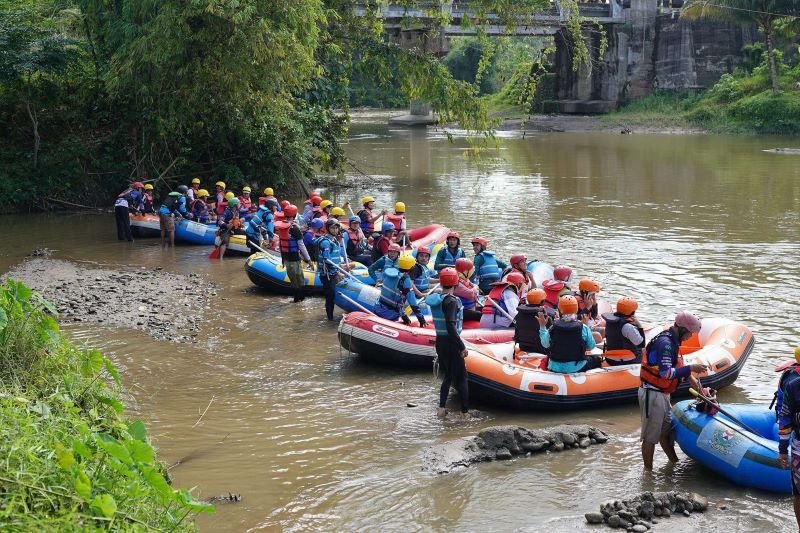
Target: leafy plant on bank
(71,460)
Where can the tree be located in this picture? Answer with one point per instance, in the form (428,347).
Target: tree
(765,13)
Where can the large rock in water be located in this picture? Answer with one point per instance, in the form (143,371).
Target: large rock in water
(505,442)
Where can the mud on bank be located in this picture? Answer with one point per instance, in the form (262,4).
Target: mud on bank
(166,306)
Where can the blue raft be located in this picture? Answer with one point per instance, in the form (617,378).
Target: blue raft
(267,271)
(747,457)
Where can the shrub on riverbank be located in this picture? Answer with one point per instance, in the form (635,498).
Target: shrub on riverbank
(71,460)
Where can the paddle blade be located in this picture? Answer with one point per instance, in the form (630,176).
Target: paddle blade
(693,392)
(214,254)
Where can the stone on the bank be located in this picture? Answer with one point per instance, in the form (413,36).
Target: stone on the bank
(594,518)
(698,501)
(557,446)
(585,442)
(638,528)
(503,454)
(614,520)
(647,509)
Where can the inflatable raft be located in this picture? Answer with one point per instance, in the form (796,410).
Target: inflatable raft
(429,235)
(745,456)
(499,375)
(143,226)
(393,343)
(266,270)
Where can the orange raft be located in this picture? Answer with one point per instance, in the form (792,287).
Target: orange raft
(502,376)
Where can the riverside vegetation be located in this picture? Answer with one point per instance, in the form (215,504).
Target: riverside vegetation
(71,459)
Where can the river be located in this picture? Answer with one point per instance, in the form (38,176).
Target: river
(314,439)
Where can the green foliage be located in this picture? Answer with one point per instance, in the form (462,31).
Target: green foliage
(70,459)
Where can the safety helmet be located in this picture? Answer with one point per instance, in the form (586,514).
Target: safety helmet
(453,235)
(290,210)
(331,222)
(588,285)
(354,219)
(394,247)
(316,200)
(220,184)
(202,193)
(149,187)
(285,203)
(337,212)
(400,207)
(463,264)
(448,277)
(627,306)
(387,226)
(246,189)
(195,181)
(515,278)
(406,262)
(269,192)
(688,320)
(367,199)
(535,296)
(423,250)
(137,185)
(183,189)
(562,273)
(480,240)
(233,202)
(325,203)
(229,195)
(516,258)
(567,305)
(316,223)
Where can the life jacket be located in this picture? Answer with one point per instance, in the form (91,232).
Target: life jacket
(395,219)
(170,203)
(649,373)
(615,340)
(254,228)
(221,203)
(496,294)
(450,259)
(392,291)
(367,225)
(489,272)
(526,333)
(354,242)
(376,249)
(245,204)
(552,288)
(421,276)
(198,208)
(436,302)
(335,255)
(591,313)
(464,292)
(147,203)
(288,244)
(787,377)
(566,341)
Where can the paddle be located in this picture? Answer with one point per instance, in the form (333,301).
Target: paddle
(502,311)
(712,403)
(358,305)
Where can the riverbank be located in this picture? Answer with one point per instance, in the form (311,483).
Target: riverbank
(72,460)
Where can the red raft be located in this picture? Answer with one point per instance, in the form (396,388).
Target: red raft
(428,235)
(393,343)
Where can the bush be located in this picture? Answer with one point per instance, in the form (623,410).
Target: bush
(769,113)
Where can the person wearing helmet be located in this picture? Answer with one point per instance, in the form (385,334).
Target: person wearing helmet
(526,330)
(787,403)
(558,285)
(174,205)
(355,242)
(148,200)
(337,213)
(398,220)
(381,245)
(218,205)
(661,372)
(293,250)
(246,207)
(519,263)
(191,194)
(488,268)
(587,307)
(389,260)
(198,207)
(330,254)
(466,290)
(624,334)
(127,202)
(367,217)
(315,229)
(568,340)
(258,237)
(397,291)
(448,254)
(420,273)
(448,318)
(229,223)
(268,194)
(325,206)
(501,304)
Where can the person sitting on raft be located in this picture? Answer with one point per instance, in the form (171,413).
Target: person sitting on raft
(218,204)
(314,230)
(148,201)
(381,246)
(309,205)
(558,286)
(568,340)
(587,306)
(246,207)
(397,291)
(420,273)
(526,331)
(191,194)
(337,213)
(198,206)
(356,242)
(367,217)
(398,220)
(501,304)
(448,254)
(624,333)
(488,268)
(269,194)
(466,291)
(519,263)
(389,260)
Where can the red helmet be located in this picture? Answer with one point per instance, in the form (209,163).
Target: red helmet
(453,235)
(562,273)
(284,203)
(515,278)
(516,258)
(463,265)
(480,240)
(688,320)
(316,200)
(448,277)
(137,185)
(567,305)
(394,247)
(290,210)
(423,250)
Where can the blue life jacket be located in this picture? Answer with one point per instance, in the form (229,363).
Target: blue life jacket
(435,302)
(423,280)
(330,249)
(170,203)
(449,259)
(254,229)
(489,271)
(393,290)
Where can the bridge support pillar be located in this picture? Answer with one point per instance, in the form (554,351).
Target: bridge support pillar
(420,113)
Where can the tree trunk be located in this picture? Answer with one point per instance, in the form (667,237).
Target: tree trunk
(773,70)
(36,138)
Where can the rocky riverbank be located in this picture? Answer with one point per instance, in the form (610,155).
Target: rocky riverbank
(640,513)
(166,306)
(499,443)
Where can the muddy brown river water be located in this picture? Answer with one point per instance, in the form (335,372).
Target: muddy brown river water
(314,439)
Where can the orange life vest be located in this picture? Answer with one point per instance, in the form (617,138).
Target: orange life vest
(395,219)
(649,373)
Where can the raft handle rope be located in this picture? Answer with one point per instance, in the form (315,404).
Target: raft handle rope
(729,425)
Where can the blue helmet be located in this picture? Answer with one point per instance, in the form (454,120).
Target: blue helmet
(354,219)
(317,223)
(387,226)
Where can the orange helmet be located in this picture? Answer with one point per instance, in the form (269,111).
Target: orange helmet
(480,240)
(567,305)
(448,277)
(588,285)
(453,235)
(536,296)
(515,278)
(627,306)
